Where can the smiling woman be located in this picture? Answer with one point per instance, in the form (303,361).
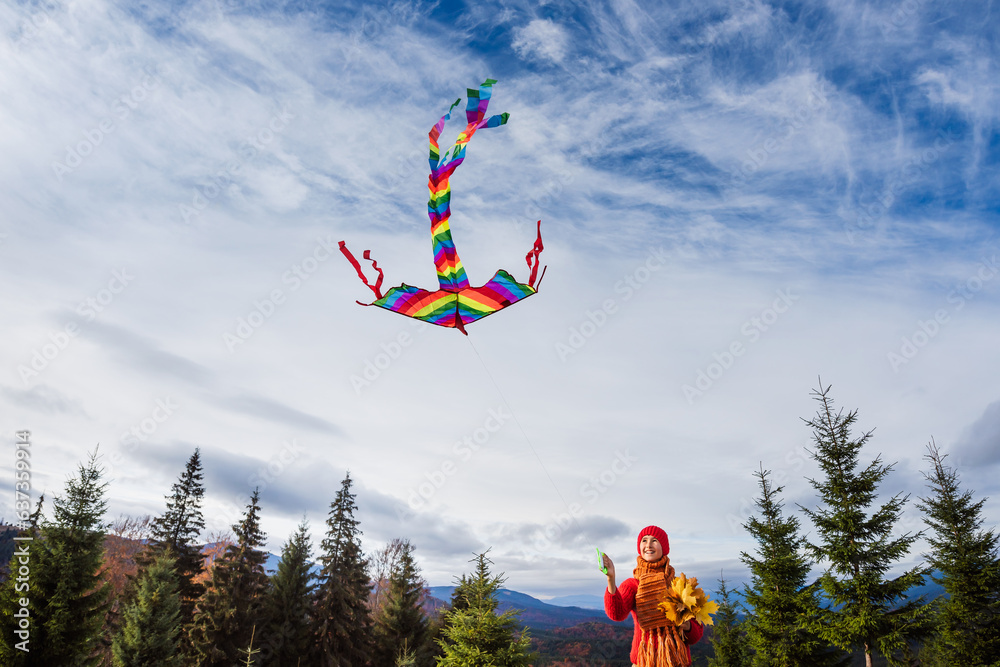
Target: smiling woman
(657,642)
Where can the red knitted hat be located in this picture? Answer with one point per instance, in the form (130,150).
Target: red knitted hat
(656,532)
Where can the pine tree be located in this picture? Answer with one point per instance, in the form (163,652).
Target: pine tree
(150,630)
(781,605)
(343,630)
(176,532)
(17,587)
(967,624)
(460,596)
(125,545)
(407,658)
(729,640)
(232,606)
(475,635)
(401,627)
(287,634)
(866,609)
(250,652)
(67,597)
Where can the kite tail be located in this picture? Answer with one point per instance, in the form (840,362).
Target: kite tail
(532,259)
(377,287)
(451,274)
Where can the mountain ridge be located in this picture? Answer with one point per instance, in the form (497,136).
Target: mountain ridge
(534,613)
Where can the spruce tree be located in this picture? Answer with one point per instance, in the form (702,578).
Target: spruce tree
(965,560)
(780,604)
(460,595)
(232,606)
(475,635)
(150,622)
(343,630)
(68,598)
(176,532)
(287,634)
(16,587)
(729,639)
(125,546)
(401,626)
(407,658)
(866,609)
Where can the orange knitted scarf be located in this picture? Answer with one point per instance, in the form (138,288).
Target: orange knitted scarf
(661,643)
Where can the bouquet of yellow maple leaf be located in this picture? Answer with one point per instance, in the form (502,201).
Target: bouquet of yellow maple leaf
(686,601)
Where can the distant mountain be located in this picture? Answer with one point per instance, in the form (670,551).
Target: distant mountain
(271,564)
(582,601)
(930,590)
(558,613)
(536,614)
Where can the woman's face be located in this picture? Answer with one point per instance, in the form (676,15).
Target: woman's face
(651,549)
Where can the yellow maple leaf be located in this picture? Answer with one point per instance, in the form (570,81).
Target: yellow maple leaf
(685,601)
(702,615)
(673,611)
(688,597)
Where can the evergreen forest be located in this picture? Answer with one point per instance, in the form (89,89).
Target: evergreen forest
(830,583)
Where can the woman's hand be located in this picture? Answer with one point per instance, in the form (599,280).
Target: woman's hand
(611,574)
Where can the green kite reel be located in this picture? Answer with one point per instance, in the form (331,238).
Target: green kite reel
(600,561)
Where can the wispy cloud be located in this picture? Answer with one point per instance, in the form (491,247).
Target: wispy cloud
(138,352)
(844,151)
(265,408)
(42,399)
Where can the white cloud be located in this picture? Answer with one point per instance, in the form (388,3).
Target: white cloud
(542,39)
(970,86)
(940,89)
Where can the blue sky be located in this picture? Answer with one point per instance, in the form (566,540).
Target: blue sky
(736,199)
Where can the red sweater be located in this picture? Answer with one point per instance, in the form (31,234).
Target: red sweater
(622,603)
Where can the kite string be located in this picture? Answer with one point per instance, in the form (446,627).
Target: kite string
(523,433)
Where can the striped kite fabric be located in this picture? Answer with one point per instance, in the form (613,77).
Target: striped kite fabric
(455,303)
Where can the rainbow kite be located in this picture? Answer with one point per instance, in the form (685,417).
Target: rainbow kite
(455,304)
